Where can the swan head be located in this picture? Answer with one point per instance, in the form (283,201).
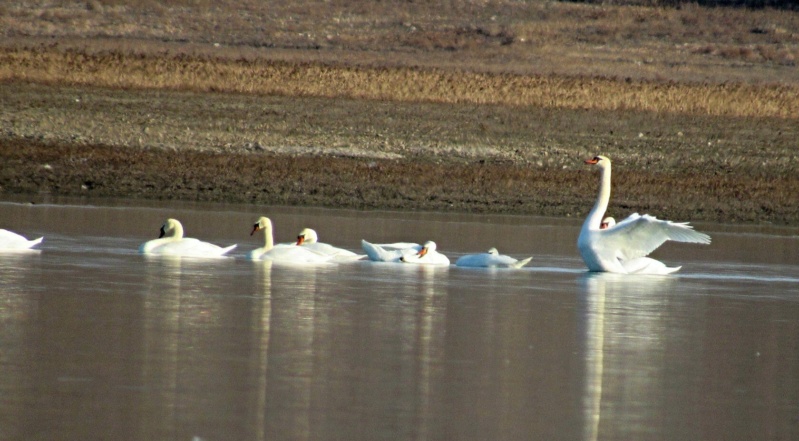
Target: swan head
(307,236)
(607,223)
(493,251)
(426,248)
(264,223)
(601,161)
(172,228)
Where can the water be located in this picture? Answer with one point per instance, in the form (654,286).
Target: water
(99,342)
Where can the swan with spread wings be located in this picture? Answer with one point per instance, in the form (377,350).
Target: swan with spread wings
(623,247)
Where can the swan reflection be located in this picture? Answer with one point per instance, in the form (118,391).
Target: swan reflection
(262,311)
(288,348)
(184,324)
(623,343)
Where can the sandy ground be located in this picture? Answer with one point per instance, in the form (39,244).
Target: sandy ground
(94,142)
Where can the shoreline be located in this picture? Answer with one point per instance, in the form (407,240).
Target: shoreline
(91,171)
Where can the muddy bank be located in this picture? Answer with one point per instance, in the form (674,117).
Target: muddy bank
(369,154)
(37,168)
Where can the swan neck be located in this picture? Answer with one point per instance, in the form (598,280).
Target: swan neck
(177,232)
(601,206)
(269,241)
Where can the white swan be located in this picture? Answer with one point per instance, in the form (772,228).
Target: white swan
(491,259)
(310,240)
(284,253)
(12,241)
(172,243)
(389,252)
(426,256)
(622,248)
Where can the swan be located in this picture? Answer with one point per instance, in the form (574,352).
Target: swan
(491,259)
(390,252)
(13,241)
(426,256)
(607,223)
(285,253)
(172,243)
(622,248)
(310,240)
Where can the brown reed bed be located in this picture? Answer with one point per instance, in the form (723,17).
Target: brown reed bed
(117,69)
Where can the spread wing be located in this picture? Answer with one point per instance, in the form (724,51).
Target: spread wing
(637,236)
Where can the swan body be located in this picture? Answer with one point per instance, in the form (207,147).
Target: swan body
(283,253)
(390,252)
(623,247)
(426,256)
(642,264)
(491,259)
(310,240)
(172,243)
(10,240)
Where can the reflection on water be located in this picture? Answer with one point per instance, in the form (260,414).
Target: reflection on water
(101,342)
(624,326)
(658,354)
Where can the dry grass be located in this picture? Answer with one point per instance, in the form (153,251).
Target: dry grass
(130,70)
(689,59)
(530,36)
(396,25)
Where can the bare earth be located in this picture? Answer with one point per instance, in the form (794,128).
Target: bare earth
(400,146)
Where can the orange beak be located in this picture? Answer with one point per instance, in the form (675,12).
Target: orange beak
(422,252)
(300,240)
(254,229)
(592,161)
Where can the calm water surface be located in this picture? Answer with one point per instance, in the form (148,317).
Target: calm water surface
(99,342)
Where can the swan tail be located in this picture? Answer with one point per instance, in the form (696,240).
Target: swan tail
(348,258)
(647,265)
(374,252)
(35,242)
(227,249)
(522,262)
